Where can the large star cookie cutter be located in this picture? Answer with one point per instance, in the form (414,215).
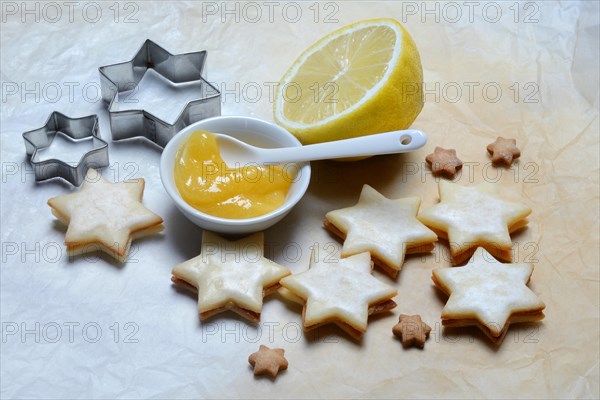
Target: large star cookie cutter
(177,68)
(75,129)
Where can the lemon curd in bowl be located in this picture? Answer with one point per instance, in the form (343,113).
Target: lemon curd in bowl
(208,184)
(253,131)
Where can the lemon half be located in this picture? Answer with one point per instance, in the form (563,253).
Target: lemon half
(362,79)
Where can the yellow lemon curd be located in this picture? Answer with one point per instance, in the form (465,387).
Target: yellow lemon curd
(209,185)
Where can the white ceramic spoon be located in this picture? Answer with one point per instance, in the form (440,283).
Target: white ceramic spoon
(235,151)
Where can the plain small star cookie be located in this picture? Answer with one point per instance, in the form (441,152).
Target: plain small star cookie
(473,216)
(268,361)
(105,216)
(230,275)
(411,330)
(504,151)
(387,229)
(488,294)
(340,291)
(444,162)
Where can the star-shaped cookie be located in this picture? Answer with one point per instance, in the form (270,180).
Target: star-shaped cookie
(474,216)
(268,361)
(504,151)
(488,294)
(444,162)
(230,275)
(105,216)
(340,291)
(411,330)
(387,229)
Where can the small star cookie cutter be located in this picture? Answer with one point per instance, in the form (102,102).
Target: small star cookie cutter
(75,129)
(177,68)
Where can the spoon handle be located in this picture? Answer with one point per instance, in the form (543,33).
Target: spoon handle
(381,143)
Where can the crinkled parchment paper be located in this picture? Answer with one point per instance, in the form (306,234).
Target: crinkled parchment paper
(87,328)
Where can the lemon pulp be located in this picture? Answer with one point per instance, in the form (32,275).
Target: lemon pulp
(362,79)
(209,185)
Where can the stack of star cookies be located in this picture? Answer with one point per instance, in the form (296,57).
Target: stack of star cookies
(486,293)
(340,290)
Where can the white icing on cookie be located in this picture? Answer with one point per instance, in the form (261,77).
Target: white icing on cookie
(230,272)
(488,291)
(383,227)
(105,214)
(338,289)
(473,216)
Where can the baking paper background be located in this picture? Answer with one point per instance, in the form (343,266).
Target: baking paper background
(87,328)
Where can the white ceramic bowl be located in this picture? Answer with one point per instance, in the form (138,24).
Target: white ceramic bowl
(250,130)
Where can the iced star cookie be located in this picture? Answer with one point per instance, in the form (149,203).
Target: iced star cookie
(105,216)
(340,291)
(387,229)
(474,216)
(488,294)
(230,275)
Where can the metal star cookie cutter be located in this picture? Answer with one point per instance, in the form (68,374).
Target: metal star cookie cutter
(177,68)
(75,129)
